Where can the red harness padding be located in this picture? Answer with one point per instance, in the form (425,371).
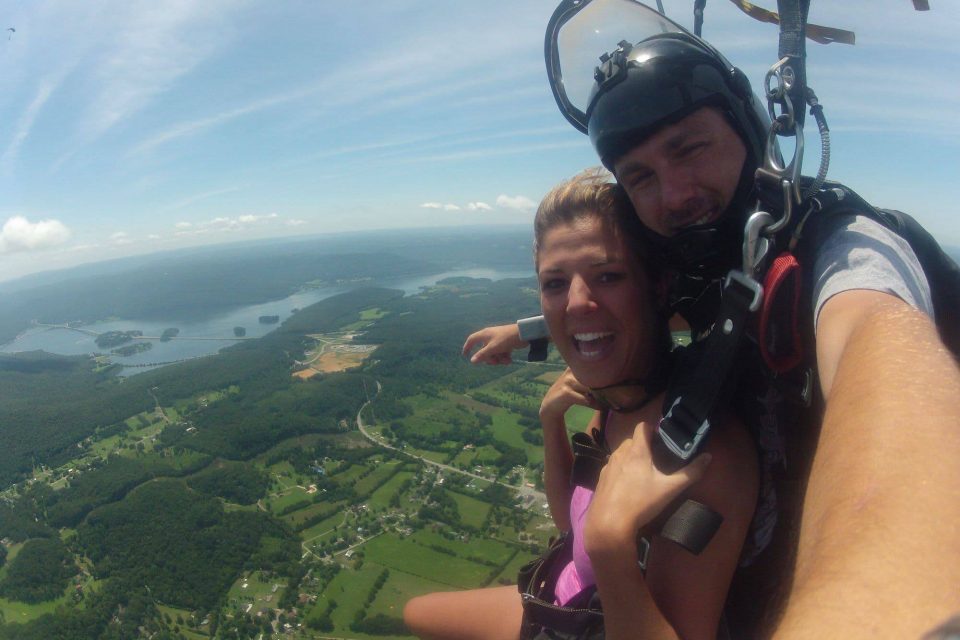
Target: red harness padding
(779,333)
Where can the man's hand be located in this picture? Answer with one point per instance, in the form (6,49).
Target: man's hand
(496,344)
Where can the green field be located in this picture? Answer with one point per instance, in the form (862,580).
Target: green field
(381,497)
(473,512)
(403,554)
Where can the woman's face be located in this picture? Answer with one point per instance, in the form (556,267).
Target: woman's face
(595,298)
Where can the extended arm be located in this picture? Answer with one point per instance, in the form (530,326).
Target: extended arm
(879,547)
(494,344)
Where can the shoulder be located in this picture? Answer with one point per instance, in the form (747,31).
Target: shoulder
(856,252)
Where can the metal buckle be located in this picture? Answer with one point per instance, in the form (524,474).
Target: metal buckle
(643,552)
(755,247)
(748,283)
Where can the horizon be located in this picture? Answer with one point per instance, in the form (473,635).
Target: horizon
(158,129)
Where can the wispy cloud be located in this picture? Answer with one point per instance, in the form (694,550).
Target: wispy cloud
(206,195)
(19,234)
(25,124)
(199,125)
(517,203)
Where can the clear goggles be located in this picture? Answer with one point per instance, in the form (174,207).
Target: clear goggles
(580,32)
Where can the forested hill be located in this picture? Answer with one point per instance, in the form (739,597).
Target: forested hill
(50,403)
(196,284)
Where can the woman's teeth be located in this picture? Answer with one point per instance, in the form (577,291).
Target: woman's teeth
(589,344)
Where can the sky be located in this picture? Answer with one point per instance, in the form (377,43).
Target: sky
(135,126)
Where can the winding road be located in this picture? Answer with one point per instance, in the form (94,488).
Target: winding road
(538,496)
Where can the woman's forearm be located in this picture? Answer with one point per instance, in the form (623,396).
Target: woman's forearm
(629,611)
(557,464)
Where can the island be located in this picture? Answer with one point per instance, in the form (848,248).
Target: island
(116,338)
(131,349)
(239,331)
(269,319)
(169,334)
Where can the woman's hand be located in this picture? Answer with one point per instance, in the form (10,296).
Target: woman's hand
(631,492)
(565,392)
(496,344)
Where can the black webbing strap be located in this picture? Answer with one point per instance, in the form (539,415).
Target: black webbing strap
(588,461)
(698,7)
(793,45)
(696,393)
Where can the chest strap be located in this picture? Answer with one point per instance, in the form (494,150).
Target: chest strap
(688,523)
(696,391)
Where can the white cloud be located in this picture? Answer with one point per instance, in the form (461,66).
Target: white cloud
(226,223)
(19,234)
(295,222)
(479,206)
(153,236)
(451,207)
(431,205)
(518,203)
(120,238)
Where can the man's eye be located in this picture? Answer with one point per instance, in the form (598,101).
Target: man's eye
(611,276)
(691,150)
(637,180)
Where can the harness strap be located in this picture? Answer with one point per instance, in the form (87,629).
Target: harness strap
(793,24)
(691,525)
(696,393)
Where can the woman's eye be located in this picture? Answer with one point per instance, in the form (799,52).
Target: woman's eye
(553,284)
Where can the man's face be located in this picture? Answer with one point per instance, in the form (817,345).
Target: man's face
(685,174)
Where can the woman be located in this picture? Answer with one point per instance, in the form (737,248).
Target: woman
(597,299)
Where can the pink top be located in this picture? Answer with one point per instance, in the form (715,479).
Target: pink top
(578,574)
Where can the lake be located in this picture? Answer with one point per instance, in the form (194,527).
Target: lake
(220,327)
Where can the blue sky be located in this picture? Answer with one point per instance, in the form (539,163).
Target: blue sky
(137,126)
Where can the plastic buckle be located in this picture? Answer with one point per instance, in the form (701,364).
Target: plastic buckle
(685,449)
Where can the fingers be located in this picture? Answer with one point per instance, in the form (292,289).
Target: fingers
(475,338)
(694,470)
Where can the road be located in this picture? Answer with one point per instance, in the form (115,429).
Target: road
(538,496)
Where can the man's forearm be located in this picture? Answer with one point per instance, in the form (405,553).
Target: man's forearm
(879,549)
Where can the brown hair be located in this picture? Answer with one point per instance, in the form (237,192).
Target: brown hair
(589,194)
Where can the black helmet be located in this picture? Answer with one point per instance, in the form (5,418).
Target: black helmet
(657,74)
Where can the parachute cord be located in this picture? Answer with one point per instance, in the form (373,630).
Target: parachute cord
(816,110)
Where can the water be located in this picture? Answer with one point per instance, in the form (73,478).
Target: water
(72,343)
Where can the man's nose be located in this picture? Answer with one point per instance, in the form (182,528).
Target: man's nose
(676,189)
(579,297)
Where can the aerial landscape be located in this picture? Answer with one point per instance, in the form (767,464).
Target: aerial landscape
(308,481)
(241,246)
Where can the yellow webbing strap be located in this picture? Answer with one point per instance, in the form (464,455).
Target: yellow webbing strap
(815,32)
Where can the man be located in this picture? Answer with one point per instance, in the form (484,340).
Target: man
(871,548)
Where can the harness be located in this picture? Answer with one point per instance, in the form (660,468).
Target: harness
(689,524)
